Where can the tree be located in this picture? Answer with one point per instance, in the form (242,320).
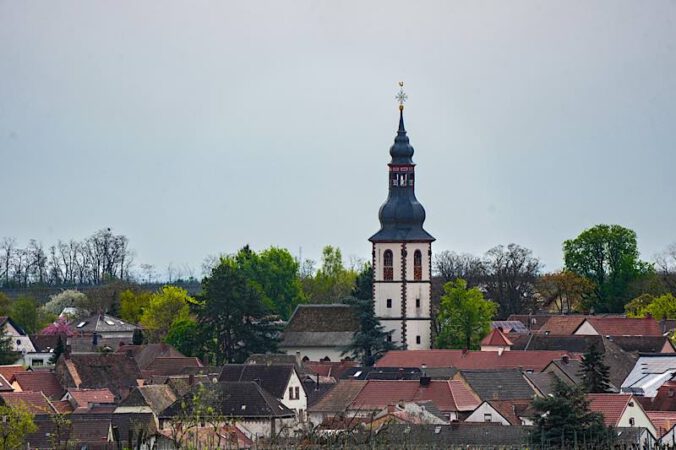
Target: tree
(332,282)
(133,303)
(16,423)
(184,335)
(510,278)
(137,337)
(25,314)
(69,298)
(232,316)
(464,316)
(363,285)
(662,307)
(7,353)
(565,291)
(60,326)
(58,351)
(595,377)
(563,420)
(450,266)
(168,304)
(608,256)
(370,342)
(5,305)
(276,272)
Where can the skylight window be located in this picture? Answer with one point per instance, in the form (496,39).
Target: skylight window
(81,324)
(109,322)
(243,407)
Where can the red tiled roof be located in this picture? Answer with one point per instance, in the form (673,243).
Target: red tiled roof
(662,420)
(83,397)
(9,371)
(464,398)
(169,365)
(377,394)
(535,360)
(63,407)
(496,338)
(35,402)
(610,405)
(511,410)
(621,326)
(561,325)
(329,368)
(339,397)
(45,382)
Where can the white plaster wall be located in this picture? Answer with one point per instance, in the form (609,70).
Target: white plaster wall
(395,325)
(418,328)
(586,330)
(299,405)
(421,291)
(396,254)
(383,291)
(485,408)
(410,250)
(315,353)
(640,417)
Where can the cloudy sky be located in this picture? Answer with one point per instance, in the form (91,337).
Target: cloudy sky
(195,127)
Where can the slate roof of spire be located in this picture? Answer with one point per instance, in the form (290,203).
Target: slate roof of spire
(401,216)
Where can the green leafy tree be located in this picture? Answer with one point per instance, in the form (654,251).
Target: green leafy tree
(370,342)
(168,304)
(363,285)
(133,303)
(5,304)
(276,272)
(464,316)
(662,307)
(58,351)
(25,314)
(564,291)
(564,421)
(333,281)
(16,423)
(137,337)
(232,316)
(595,378)
(184,335)
(7,353)
(608,256)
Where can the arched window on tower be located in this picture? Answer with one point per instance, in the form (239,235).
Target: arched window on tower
(388,265)
(417,265)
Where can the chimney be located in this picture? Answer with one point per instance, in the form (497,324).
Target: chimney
(425,381)
(565,359)
(423,369)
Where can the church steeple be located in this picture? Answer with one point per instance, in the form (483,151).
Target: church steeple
(401,216)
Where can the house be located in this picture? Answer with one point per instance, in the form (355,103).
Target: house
(456,435)
(664,422)
(541,382)
(257,413)
(384,373)
(117,372)
(84,399)
(170,365)
(510,326)
(45,382)
(34,402)
(145,354)
(496,341)
(497,384)
(413,413)
(106,327)
(664,400)
(649,373)
(619,326)
(620,410)
(319,332)
(21,343)
(452,398)
(282,381)
(561,325)
(153,399)
(462,359)
(336,401)
(504,412)
(44,345)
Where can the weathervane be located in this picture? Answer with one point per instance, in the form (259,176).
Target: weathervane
(401,96)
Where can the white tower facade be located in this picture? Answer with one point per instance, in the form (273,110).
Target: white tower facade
(402,253)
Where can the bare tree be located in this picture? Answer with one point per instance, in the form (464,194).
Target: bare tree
(7,247)
(666,265)
(450,266)
(511,273)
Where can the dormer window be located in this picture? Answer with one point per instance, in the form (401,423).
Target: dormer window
(388,265)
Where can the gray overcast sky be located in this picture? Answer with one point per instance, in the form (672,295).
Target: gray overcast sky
(195,127)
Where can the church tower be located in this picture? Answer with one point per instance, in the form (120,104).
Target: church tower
(402,252)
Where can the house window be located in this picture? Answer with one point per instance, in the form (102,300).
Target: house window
(291,394)
(632,422)
(297,391)
(417,339)
(38,363)
(488,417)
(417,303)
(388,265)
(389,302)
(417,265)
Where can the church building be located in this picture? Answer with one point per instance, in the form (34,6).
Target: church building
(402,252)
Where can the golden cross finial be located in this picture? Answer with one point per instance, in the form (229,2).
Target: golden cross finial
(401,96)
